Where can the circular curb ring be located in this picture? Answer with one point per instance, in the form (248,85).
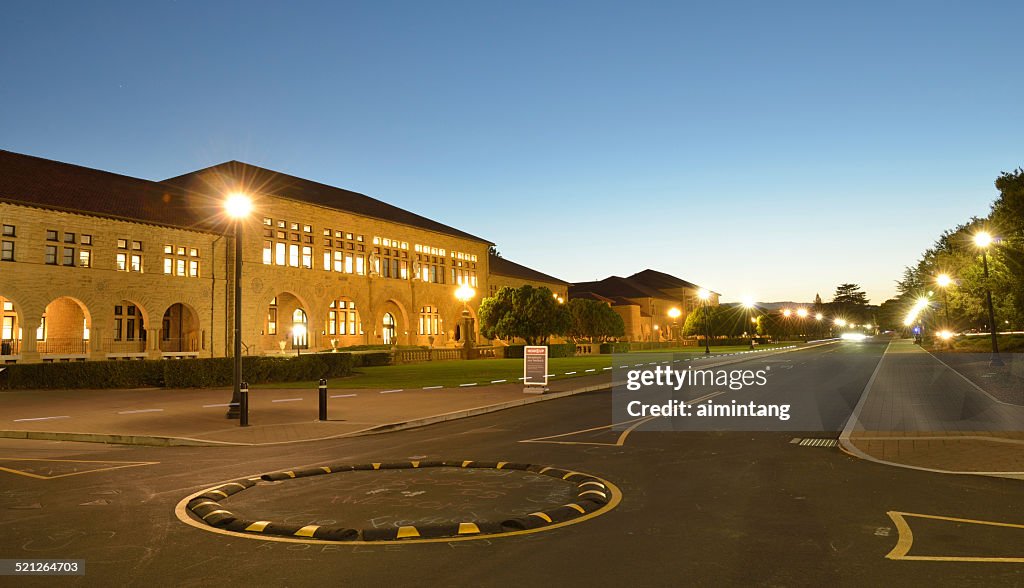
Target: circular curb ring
(592,494)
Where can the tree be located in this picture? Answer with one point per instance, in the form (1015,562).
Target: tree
(528,313)
(849,302)
(593,320)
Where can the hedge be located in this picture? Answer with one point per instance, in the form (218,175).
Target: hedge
(372,359)
(183,373)
(607,348)
(554,350)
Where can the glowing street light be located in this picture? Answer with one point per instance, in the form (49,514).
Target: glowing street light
(983,240)
(840,322)
(704,296)
(237,206)
(464,294)
(801,312)
(748,303)
(944,281)
(787,312)
(298,334)
(674,314)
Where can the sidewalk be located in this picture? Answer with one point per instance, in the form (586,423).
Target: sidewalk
(920,413)
(158,416)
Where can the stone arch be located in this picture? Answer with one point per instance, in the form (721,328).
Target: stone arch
(11,320)
(344,321)
(64,328)
(180,329)
(401,316)
(276,323)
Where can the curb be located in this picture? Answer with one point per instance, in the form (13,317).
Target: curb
(847,445)
(593,496)
(161,441)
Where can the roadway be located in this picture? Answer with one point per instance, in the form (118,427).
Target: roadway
(697,508)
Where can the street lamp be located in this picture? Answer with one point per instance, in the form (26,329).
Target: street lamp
(464,294)
(943,281)
(237,206)
(983,240)
(704,295)
(748,303)
(674,313)
(299,334)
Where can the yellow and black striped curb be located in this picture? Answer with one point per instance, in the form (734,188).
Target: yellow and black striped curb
(592,495)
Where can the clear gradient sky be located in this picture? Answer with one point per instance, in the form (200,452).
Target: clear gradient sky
(773,148)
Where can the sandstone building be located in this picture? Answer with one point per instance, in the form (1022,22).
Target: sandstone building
(96,265)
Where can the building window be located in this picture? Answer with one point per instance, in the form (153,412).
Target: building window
(7,251)
(136,263)
(180,264)
(430,321)
(122,262)
(8,231)
(84,258)
(168,266)
(193,268)
(307,257)
(280,253)
(122,244)
(272,318)
(51,255)
(293,255)
(136,245)
(69,256)
(128,325)
(180,267)
(268,252)
(86,239)
(51,235)
(69,237)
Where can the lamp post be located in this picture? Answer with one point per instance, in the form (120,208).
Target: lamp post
(674,314)
(464,294)
(801,313)
(983,240)
(704,295)
(748,303)
(237,206)
(817,329)
(943,281)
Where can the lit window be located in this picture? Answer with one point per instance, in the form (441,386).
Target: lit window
(168,266)
(327,261)
(180,251)
(168,249)
(193,252)
(85,258)
(280,253)
(122,262)
(86,239)
(360,265)
(180,267)
(122,244)
(348,262)
(268,222)
(193,268)
(307,229)
(136,263)
(136,245)
(338,261)
(293,255)
(268,253)
(307,257)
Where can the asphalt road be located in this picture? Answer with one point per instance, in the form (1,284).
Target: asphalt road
(698,508)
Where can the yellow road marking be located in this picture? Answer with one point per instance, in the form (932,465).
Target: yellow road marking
(502,464)
(621,440)
(290,474)
(541,516)
(376,466)
(205,503)
(906,539)
(466,463)
(408,531)
(415,464)
(307,531)
(326,469)
(468,528)
(221,492)
(258,526)
(576,507)
(122,464)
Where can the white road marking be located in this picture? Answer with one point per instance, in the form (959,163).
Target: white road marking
(220,405)
(425,388)
(343,395)
(569,373)
(499,381)
(141,411)
(393,391)
(592,370)
(49,418)
(286,400)
(467,385)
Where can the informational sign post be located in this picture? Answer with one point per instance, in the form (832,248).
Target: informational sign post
(535,369)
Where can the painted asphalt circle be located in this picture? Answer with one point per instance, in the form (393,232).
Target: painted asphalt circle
(203,509)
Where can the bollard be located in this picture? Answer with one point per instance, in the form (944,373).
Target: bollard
(323,399)
(243,405)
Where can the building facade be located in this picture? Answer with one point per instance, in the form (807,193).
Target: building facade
(644,301)
(95,265)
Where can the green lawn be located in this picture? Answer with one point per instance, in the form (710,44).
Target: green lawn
(481,371)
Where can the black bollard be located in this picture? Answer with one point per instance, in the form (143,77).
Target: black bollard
(323,399)
(243,405)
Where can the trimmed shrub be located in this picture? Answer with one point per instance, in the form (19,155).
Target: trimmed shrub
(554,350)
(607,348)
(376,358)
(179,373)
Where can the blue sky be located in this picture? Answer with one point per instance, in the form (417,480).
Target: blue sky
(768,148)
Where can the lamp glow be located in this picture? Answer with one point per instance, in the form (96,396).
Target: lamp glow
(238,205)
(943,280)
(787,313)
(748,302)
(703,294)
(819,316)
(464,293)
(801,312)
(982,239)
(674,313)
